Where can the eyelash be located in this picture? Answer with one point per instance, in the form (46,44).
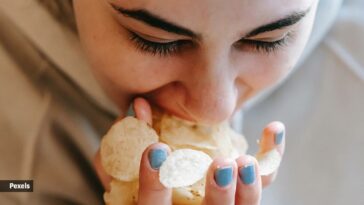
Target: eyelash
(174,47)
(266,47)
(161,49)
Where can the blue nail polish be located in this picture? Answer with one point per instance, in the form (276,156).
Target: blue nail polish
(157,157)
(224,176)
(247,174)
(130,111)
(279,137)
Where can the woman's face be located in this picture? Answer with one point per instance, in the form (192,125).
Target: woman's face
(200,60)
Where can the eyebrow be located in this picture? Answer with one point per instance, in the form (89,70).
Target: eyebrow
(155,21)
(289,20)
(160,23)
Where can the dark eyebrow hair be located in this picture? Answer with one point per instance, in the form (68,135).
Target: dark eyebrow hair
(284,22)
(158,22)
(155,21)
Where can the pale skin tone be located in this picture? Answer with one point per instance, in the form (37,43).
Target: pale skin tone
(199,60)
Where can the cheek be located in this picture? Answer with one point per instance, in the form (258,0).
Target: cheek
(266,70)
(134,72)
(260,71)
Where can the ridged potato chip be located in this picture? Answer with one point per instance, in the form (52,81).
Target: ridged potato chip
(191,195)
(193,145)
(176,133)
(268,161)
(122,148)
(125,193)
(216,140)
(184,167)
(239,142)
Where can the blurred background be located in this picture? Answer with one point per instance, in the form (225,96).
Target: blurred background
(322,106)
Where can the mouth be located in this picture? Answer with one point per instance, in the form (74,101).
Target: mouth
(183,116)
(181,112)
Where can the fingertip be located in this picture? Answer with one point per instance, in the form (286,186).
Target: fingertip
(273,137)
(150,187)
(249,181)
(143,110)
(154,155)
(278,130)
(221,172)
(248,170)
(221,181)
(275,125)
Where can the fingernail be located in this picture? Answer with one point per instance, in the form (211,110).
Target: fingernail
(247,174)
(130,111)
(224,176)
(157,157)
(279,137)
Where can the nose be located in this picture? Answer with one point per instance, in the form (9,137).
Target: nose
(210,89)
(211,94)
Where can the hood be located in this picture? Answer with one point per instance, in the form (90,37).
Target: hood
(60,45)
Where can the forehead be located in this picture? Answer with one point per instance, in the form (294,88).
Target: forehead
(207,15)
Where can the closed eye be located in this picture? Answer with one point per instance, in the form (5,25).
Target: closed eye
(174,47)
(263,46)
(158,48)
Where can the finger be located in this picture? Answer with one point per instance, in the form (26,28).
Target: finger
(273,137)
(221,182)
(249,185)
(104,178)
(151,191)
(143,110)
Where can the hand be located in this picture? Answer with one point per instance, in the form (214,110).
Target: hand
(245,187)
(228,182)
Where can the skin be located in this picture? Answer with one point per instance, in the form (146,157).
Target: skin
(206,81)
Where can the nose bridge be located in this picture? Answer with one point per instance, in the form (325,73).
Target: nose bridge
(210,84)
(213,72)
(211,77)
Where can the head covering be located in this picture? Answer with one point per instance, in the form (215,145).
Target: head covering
(56,43)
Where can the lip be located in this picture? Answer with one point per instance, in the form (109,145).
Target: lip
(181,112)
(183,116)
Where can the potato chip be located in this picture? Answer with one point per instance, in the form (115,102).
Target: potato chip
(269,161)
(191,195)
(239,142)
(216,140)
(125,193)
(184,167)
(177,132)
(122,148)
(193,146)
